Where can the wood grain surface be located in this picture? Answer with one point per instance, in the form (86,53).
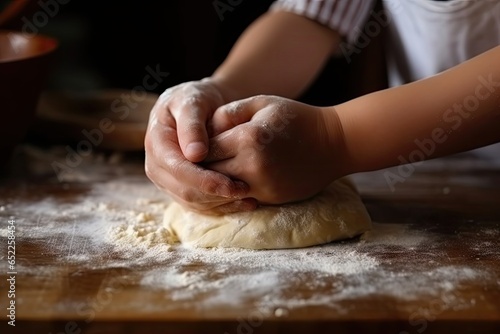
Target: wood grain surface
(444,278)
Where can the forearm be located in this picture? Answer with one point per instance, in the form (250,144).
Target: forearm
(279,54)
(451,112)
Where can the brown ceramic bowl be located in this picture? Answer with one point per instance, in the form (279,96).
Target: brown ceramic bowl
(24,66)
(12,14)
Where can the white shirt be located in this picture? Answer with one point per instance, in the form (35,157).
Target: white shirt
(425,36)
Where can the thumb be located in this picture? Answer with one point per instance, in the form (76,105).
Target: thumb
(235,113)
(192,133)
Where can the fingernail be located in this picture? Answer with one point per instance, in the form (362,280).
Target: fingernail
(196,149)
(238,192)
(222,191)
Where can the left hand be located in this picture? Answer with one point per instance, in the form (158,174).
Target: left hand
(177,120)
(284,150)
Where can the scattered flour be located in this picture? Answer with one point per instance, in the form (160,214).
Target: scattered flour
(118,224)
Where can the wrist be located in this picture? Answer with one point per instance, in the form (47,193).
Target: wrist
(338,151)
(226,89)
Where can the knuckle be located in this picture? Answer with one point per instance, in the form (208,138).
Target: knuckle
(187,195)
(160,114)
(193,98)
(176,90)
(165,97)
(261,135)
(209,184)
(167,93)
(148,144)
(261,98)
(191,102)
(249,135)
(193,125)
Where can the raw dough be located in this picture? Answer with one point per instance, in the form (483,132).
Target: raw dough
(335,213)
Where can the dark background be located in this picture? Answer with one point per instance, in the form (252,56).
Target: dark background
(109,44)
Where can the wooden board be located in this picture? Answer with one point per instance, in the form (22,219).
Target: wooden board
(432,260)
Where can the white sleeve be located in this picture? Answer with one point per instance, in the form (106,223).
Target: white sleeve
(344,16)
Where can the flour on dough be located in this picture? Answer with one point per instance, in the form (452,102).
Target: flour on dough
(335,213)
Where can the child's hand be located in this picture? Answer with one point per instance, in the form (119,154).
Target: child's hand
(177,121)
(284,150)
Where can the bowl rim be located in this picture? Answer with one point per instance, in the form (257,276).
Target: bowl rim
(54,45)
(12,10)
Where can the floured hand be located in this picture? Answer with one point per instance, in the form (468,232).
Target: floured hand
(284,150)
(177,139)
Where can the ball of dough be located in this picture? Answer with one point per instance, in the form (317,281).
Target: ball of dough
(335,213)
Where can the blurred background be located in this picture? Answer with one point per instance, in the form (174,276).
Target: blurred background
(106,50)
(108,46)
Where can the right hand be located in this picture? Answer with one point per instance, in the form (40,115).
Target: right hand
(286,151)
(177,138)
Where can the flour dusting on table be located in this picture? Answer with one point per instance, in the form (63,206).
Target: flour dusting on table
(117,224)
(114,226)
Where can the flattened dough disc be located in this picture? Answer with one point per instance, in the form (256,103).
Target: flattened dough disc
(334,214)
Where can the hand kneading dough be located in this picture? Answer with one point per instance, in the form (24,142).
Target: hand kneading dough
(335,213)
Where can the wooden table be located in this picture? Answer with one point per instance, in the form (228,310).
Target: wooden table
(434,252)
